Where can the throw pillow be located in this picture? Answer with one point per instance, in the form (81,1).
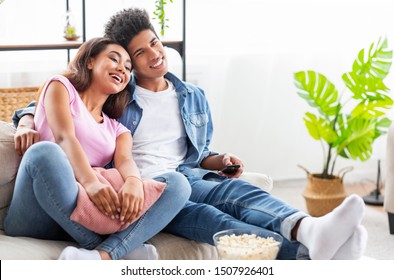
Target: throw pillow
(87,214)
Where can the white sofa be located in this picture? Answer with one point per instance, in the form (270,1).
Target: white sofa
(170,247)
(389,185)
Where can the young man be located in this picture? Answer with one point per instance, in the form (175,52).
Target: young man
(172,129)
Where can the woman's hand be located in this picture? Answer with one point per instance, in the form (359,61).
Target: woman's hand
(104,197)
(131,197)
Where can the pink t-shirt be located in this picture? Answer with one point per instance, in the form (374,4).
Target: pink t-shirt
(97,139)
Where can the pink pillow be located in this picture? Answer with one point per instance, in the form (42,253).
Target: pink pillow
(87,214)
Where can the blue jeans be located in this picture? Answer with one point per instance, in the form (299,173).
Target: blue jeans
(46,193)
(218,203)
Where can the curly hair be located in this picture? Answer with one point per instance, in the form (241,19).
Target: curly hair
(124,25)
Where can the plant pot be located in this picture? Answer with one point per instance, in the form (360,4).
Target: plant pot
(323,195)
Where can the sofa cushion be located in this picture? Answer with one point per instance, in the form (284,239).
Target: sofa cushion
(172,247)
(8,167)
(9,158)
(169,247)
(27,248)
(6,192)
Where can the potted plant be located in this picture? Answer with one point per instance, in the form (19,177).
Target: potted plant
(346,123)
(70,32)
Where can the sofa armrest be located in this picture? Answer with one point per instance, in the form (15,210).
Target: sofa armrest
(260,180)
(389,185)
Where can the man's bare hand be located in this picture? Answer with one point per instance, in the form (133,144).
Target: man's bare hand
(229,159)
(25,137)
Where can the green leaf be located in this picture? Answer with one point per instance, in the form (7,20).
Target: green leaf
(372,109)
(358,139)
(318,91)
(319,128)
(161,14)
(369,69)
(382,127)
(363,87)
(375,62)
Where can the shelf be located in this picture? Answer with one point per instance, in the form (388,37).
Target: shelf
(179,46)
(32,47)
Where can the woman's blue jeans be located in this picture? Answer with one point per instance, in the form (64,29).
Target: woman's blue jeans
(217,203)
(46,193)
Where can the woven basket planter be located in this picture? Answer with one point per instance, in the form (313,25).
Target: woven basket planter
(323,195)
(12,99)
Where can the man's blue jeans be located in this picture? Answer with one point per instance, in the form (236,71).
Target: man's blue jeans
(218,203)
(46,193)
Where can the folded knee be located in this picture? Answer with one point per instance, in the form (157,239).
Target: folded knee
(44,149)
(177,185)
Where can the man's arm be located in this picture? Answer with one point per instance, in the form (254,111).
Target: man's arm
(25,134)
(18,114)
(212,160)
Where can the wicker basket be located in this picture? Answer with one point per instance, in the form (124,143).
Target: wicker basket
(323,195)
(12,99)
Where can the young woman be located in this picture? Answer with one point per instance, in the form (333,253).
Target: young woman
(75,118)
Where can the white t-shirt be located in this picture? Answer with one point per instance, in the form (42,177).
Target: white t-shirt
(159,142)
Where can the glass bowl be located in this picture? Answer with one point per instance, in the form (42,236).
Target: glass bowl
(247,244)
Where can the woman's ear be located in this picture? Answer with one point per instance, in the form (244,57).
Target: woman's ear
(90,64)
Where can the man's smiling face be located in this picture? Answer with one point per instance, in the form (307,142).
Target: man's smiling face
(148,56)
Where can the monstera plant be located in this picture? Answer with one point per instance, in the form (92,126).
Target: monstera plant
(346,122)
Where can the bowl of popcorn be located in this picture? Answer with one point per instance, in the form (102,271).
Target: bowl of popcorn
(246,244)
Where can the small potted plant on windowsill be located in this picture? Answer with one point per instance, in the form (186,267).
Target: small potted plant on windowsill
(345,130)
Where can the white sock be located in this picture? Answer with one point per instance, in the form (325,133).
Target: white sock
(144,252)
(323,236)
(72,253)
(354,247)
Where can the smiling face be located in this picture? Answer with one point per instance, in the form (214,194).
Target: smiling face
(111,69)
(148,56)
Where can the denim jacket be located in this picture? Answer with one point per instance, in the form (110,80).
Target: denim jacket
(195,114)
(196,118)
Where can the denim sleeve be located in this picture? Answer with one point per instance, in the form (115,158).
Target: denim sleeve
(18,114)
(209,132)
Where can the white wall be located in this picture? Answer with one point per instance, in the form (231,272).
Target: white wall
(251,50)
(243,53)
